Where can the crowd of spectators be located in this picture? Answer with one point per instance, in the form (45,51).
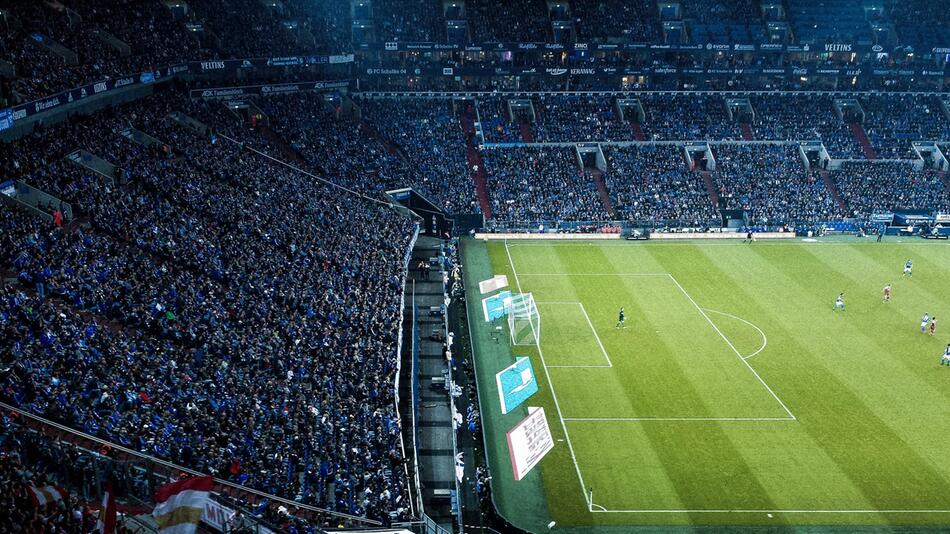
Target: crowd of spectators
(884,187)
(498,125)
(536,184)
(412,21)
(771,183)
(397,144)
(652,183)
(680,117)
(26,461)
(527,20)
(790,117)
(637,20)
(230,29)
(893,122)
(428,132)
(217,311)
(578,119)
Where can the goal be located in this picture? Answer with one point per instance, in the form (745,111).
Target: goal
(524,321)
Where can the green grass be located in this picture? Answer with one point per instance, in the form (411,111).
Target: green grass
(841,419)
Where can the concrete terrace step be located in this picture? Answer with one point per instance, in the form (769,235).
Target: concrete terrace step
(746,129)
(527,134)
(833,189)
(475,164)
(638,131)
(710,187)
(862,137)
(598,177)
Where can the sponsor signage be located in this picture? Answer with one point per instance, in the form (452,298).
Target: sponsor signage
(839,47)
(217,516)
(529,441)
(496,307)
(264,90)
(66,97)
(516,384)
(605,71)
(493,284)
(6,119)
(540,47)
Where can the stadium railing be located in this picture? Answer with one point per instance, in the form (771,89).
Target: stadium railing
(149,472)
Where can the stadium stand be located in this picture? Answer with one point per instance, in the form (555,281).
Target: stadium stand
(230,298)
(888,186)
(772,184)
(635,20)
(155,274)
(652,182)
(532,184)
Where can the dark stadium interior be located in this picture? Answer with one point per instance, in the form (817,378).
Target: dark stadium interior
(206,257)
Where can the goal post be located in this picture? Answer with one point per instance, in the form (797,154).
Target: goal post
(524,321)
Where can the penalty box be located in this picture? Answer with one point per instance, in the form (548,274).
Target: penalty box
(671,362)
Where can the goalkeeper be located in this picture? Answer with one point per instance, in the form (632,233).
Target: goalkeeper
(621,318)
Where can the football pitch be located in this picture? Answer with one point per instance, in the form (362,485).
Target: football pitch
(734,395)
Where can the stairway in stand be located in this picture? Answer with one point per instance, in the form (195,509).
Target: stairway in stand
(833,189)
(288,151)
(479,177)
(598,177)
(710,187)
(863,140)
(637,131)
(369,131)
(527,135)
(746,129)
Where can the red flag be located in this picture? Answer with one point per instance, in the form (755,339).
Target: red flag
(107,513)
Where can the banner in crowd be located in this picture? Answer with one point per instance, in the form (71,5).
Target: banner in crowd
(273,89)
(218,516)
(43,495)
(180,505)
(6,119)
(838,47)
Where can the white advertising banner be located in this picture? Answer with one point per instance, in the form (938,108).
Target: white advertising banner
(529,441)
(493,284)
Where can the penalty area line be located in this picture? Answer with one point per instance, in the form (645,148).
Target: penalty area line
(731,346)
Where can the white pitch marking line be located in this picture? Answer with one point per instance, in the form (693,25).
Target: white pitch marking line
(573,419)
(772,511)
(602,509)
(557,406)
(595,274)
(597,337)
(723,336)
(579,366)
(765,340)
(602,349)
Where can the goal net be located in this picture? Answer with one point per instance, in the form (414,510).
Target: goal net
(524,322)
